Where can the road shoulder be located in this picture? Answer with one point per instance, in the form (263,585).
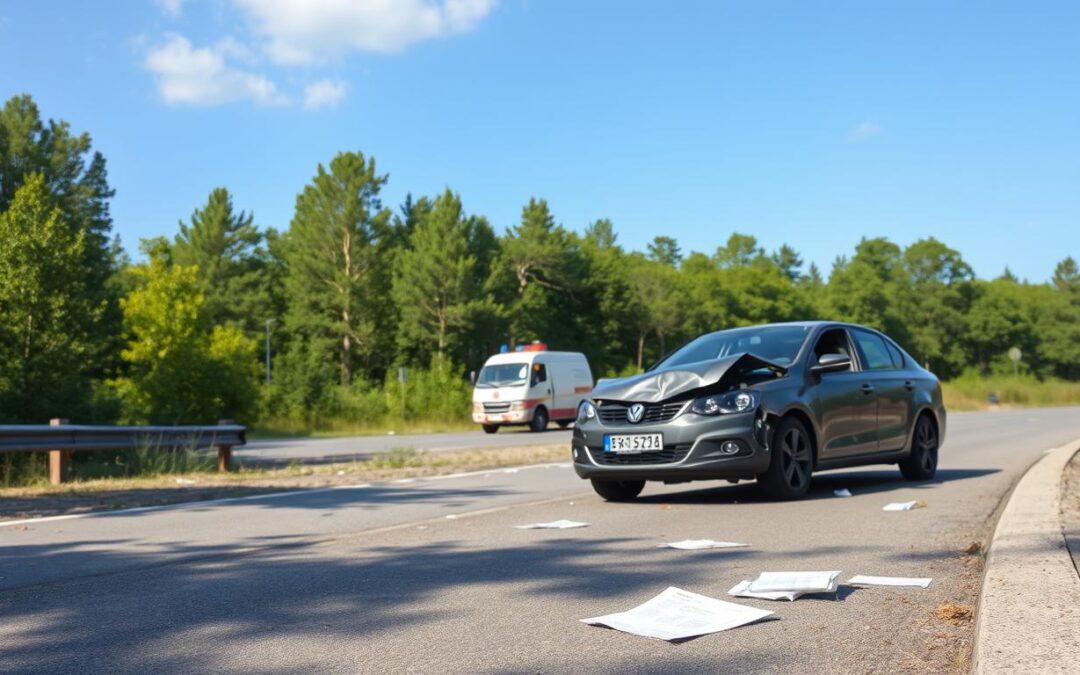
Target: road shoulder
(1029,610)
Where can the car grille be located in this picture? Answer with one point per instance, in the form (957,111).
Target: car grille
(670,454)
(496,407)
(615,413)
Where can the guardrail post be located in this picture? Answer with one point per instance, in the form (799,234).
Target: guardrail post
(224,452)
(59,458)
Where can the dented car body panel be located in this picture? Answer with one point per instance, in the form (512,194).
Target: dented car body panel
(864,414)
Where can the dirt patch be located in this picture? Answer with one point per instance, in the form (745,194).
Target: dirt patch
(954,613)
(1070,508)
(109,494)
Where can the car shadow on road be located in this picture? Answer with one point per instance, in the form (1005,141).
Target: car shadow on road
(858,482)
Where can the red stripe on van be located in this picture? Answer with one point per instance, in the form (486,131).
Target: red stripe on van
(582,390)
(558,413)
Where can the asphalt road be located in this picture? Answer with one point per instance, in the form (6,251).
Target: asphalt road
(316,450)
(378,579)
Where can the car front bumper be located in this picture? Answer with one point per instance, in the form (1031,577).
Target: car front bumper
(692,449)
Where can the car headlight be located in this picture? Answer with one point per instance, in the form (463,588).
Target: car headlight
(724,404)
(585,412)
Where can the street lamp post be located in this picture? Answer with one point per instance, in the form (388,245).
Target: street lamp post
(268,323)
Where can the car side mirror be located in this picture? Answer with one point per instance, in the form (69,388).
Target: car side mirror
(831,363)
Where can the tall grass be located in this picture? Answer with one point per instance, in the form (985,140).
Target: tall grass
(973,392)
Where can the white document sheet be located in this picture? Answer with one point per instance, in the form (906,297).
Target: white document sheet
(676,614)
(699,544)
(802,582)
(863,580)
(901,506)
(553,525)
(842,492)
(742,590)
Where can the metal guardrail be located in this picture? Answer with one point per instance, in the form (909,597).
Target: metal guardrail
(61,439)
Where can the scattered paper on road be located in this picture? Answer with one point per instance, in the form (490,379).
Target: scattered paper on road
(842,492)
(801,582)
(902,506)
(676,614)
(864,580)
(700,544)
(553,525)
(742,590)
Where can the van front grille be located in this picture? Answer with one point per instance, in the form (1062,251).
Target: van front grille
(497,407)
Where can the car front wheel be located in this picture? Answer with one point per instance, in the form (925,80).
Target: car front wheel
(792,461)
(921,464)
(618,490)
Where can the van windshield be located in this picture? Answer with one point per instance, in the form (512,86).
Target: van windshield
(503,375)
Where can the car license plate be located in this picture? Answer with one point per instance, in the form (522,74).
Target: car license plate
(632,444)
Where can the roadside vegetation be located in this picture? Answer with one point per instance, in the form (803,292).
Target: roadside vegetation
(351,291)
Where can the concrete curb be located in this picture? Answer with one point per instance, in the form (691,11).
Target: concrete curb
(1029,610)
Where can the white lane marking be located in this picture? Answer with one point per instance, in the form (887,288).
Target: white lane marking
(227,500)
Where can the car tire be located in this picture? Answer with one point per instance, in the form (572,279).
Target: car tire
(618,490)
(921,464)
(540,419)
(791,463)
(490,428)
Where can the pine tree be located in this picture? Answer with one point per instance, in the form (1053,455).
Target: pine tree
(336,279)
(227,249)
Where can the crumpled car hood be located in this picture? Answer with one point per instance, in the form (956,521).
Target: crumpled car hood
(666,383)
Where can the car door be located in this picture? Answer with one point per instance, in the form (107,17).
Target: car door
(843,401)
(892,386)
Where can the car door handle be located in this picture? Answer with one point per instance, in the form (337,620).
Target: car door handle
(867,388)
(909,385)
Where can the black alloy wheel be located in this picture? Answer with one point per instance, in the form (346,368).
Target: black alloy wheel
(921,464)
(792,462)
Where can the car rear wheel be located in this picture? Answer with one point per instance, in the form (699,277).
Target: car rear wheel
(921,464)
(792,461)
(490,428)
(618,490)
(540,419)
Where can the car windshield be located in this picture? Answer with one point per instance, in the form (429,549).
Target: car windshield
(503,375)
(779,344)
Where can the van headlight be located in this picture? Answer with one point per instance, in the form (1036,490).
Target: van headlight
(585,412)
(517,405)
(478,407)
(723,404)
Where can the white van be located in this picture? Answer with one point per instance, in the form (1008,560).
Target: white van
(532,387)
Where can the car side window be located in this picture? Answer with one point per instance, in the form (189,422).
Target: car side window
(832,341)
(874,350)
(897,357)
(539,374)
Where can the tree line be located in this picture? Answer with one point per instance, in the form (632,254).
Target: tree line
(353,289)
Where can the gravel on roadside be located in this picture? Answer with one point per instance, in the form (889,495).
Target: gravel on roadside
(1070,508)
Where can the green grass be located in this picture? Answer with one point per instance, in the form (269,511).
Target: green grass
(972,393)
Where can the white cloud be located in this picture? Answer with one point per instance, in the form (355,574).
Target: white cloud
(325,93)
(865,129)
(203,77)
(315,31)
(173,8)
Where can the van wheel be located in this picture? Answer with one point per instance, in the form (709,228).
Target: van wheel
(490,428)
(792,461)
(618,490)
(540,419)
(921,464)
(563,423)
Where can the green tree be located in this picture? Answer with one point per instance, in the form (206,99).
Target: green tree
(77,180)
(871,288)
(789,262)
(940,297)
(434,281)
(178,370)
(665,250)
(336,258)
(226,247)
(45,313)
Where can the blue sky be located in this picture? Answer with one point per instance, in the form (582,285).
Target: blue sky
(807,124)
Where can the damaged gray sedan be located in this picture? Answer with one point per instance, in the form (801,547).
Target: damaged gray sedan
(773,403)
